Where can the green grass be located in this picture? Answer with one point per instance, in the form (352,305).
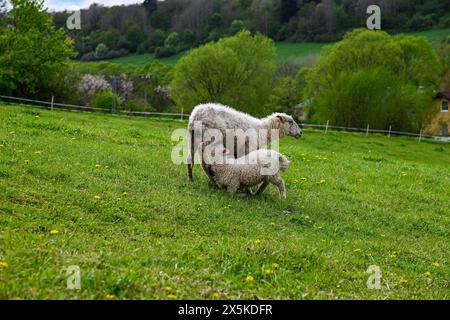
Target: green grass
(434,36)
(285,51)
(352,202)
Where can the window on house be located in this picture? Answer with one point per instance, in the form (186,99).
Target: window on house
(444,128)
(444,106)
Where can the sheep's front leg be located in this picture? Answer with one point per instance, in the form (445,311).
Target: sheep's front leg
(263,186)
(279,182)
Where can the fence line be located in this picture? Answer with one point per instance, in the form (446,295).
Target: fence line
(326,127)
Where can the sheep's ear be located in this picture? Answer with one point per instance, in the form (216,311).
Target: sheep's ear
(279,119)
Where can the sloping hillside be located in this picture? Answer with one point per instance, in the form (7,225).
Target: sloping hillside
(100,192)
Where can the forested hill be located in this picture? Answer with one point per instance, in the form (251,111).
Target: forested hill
(171,26)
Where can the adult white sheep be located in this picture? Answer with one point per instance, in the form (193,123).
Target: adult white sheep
(223,118)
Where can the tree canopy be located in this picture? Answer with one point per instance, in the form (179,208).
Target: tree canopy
(373,78)
(33,54)
(236,70)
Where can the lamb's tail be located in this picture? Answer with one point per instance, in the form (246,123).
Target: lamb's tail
(190,164)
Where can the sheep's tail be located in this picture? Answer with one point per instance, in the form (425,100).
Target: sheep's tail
(190,164)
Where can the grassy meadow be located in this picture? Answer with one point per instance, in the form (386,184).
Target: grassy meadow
(285,51)
(100,192)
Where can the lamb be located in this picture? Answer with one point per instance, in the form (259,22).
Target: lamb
(258,168)
(223,118)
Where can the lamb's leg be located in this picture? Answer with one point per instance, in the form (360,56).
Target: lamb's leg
(263,186)
(233,188)
(279,182)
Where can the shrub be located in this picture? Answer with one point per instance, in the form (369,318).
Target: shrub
(90,56)
(101,51)
(112,54)
(103,100)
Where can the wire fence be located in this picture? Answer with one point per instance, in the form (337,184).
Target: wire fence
(182,116)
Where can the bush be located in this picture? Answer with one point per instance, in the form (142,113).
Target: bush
(164,52)
(117,54)
(90,56)
(101,51)
(103,100)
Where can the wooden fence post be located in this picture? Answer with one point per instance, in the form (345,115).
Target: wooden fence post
(367,131)
(326,127)
(51,106)
(390,129)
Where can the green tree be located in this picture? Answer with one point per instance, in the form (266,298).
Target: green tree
(372,78)
(172,40)
(236,26)
(34,56)
(101,51)
(237,71)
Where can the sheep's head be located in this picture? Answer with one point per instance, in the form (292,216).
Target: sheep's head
(284,162)
(287,126)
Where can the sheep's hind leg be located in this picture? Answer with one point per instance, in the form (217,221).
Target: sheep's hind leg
(279,182)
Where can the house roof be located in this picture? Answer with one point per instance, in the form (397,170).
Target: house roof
(443,94)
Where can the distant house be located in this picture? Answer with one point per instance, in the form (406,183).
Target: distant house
(440,122)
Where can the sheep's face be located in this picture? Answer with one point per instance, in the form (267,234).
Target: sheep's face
(287,126)
(284,163)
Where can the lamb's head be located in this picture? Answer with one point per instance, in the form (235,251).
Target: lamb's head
(286,125)
(284,162)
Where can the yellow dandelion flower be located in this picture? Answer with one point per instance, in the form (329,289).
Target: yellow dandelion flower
(125,193)
(357,250)
(27,161)
(54,231)
(168,289)
(436,264)
(2,145)
(37,152)
(249,279)
(98,165)
(110,297)
(215,295)
(257,241)
(3,264)
(171,297)
(268,271)
(307,217)
(404,281)
(273,224)
(321,181)
(275,265)
(427,274)
(97,197)
(200,258)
